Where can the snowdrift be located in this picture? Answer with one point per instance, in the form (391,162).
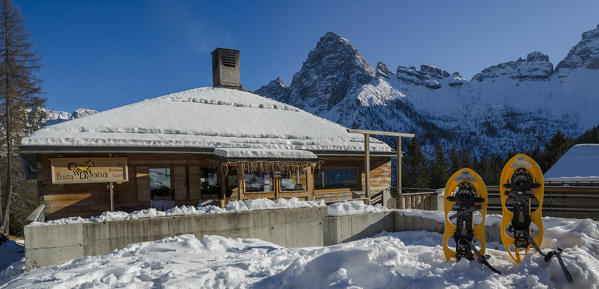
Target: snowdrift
(388,260)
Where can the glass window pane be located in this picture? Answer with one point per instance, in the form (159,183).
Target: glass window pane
(258,181)
(293,180)
(160,182)
(336,178)
(209,181)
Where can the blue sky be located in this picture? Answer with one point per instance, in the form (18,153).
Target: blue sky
(104,54)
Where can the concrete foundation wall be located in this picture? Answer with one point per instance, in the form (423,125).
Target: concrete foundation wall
(302,227)
(354,227)
(47,245)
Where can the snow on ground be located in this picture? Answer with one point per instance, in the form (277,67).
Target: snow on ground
(232,206)
(439,216)
(10,252)
(12,259)
(388,260)
(352,208)
(337,209)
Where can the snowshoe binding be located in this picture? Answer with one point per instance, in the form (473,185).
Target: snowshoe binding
(465,194)
(521,195)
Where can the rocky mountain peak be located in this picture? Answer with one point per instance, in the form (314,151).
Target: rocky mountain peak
(334,50)
(591,34)
(332,70)
(536,56)
(585,54)
(83,112)
(427,75)
(56,116)
(456,79)
(383,71)
(274,89)
(535,66)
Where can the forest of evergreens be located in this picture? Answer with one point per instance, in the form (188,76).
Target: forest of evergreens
(420,171)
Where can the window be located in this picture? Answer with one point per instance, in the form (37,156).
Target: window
(258,181)
(209,181)
(336,178)
(160,183)
(294,180)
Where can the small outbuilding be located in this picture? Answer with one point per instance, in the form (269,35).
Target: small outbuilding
(579,166)
(191,147)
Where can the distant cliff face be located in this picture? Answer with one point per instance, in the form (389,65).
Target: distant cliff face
(512,106)
(535,66)
(585,54)
(55,116)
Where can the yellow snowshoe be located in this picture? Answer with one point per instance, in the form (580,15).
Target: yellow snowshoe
(521,194)
(465,194)
(521,183)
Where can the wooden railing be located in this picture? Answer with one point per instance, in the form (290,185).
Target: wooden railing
(417,198)
(36,215)
(559,201)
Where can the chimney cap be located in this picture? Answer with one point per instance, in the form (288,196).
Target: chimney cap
(225,68)
(223,48)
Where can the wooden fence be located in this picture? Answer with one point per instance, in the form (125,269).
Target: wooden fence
(416,198)
(559,201)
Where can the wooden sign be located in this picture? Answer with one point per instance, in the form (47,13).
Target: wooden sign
(88,170)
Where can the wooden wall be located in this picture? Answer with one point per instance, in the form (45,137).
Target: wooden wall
(92,199)
(380,177)
(87,200)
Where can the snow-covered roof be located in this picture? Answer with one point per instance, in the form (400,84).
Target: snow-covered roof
(205,118)
(233,153)
(580,164)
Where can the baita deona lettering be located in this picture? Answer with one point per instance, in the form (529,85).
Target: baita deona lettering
(89,175)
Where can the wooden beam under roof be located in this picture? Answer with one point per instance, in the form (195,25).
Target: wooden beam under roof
(400,202)
(378,132)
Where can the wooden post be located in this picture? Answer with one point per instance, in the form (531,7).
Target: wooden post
(223,188)
(400,202)
(367,166)
(241,183)
(111,196)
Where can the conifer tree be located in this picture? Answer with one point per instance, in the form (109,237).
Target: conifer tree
(454,161)
(466,158)
(416,165)
(439,168)
(22,110)
(554,149)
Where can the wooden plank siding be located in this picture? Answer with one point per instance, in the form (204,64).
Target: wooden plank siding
(142,178)
(193,177)
(180,180)
(380,178)
(87,200)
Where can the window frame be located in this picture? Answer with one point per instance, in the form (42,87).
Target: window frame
(358,186)
(218,184)
(272,183)
(171,179)
(280,187)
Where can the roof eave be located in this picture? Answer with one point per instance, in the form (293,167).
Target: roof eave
(33,149)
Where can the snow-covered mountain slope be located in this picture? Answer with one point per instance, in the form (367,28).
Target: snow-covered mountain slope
(513,106)
(56,116)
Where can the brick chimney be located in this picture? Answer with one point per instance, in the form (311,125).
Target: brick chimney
(225,68)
